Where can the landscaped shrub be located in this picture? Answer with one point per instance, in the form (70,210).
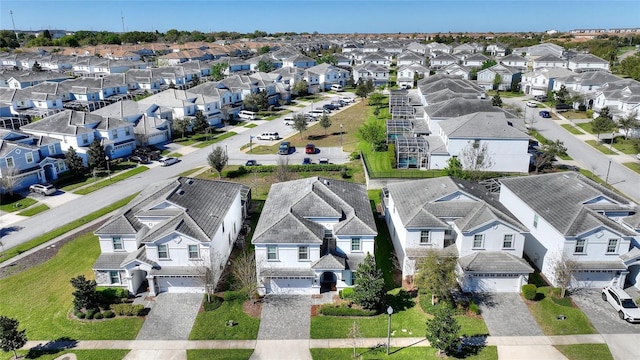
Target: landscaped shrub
(215,303)
(80,315)
(474,308)
(292,168)
(582,107)
(391,152)
(90,313)
(111,295)
(589,113)
(346,293)
(343,310)
(128,309)
(529,291)
(354,156)
(109,314)
(235,295)
(98,316)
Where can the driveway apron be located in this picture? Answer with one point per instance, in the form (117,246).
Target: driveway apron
(285,317)
(171,317)
(506,314)
(602,315)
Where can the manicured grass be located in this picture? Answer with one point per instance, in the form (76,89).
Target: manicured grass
(63,229)
(546,312)
(625,146)
(383,251)
(217,139)
(505,94)
(34,210)
(408,353)
(102,354)
(210,325)
(572,129)
(602,148)
(595,178)
(106,182)
(586,127)
(219,354)
(41,297)
(189,172)
(250,126)
(15,203)
(633,166)
(175,155)
(585,351)
(575,115)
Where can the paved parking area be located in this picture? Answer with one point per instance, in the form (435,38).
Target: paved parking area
(603,317)
(506,314)
(171,317)
(285,317)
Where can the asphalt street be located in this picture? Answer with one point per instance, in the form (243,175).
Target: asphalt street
(17,233)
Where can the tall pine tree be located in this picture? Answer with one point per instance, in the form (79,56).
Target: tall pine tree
(369,290)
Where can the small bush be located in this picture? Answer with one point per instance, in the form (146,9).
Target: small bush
(215,303)
(346,293)
(128,309)
(589,113)
(90,313)
(109,314)
(474,308)
(98,316)
(529,291)
(582,107)
(111,295)
(81,315)
(343,310)
(343,173)
(354,156)
(235,295)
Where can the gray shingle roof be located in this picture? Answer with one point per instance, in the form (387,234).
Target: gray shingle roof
(272,272)
(482,125)
(494,262)
(110,261)
(329,262)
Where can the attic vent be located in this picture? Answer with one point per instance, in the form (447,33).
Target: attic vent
(190,181)
(565,176)
(180,192)
(580,185)
(510,123)
(326,182)
(443,185)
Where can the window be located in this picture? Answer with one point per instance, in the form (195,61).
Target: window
(272,252)
(580,246)
(85,138)
(223,227)
(114,134)
(163,251)
(355,244)
(353,278)
(478,241)
(328,233)
(303,253)
(52,149)
(114,276)
(535,221)
(9,162)
(127,131)
(193,252)
(29,157)
(507,242)
(612,246)
(424,237)
(229,239)
(117,243)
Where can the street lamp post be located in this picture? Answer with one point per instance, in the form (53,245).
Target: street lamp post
(340,135)
(389,311)
(606,179)
(108,168)
(613,135)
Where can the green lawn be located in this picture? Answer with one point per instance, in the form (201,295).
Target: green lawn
(586,127)
(505,94)
(15,203)
(217,139)
(40,297)
(113,179)
(600,147)
(191,171)
(102,354)
(250,125)
(408,353)
(219,354)
(5,255)
(210,325)
(34,210)
(572,129)
(633,166)
(175,155)
(546,312)
(625,146)
(585,351)
(575,115)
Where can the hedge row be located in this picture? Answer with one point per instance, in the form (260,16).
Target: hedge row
(112,294)
(94,314)
(242,170)
(128,309)
(346,293)
(235,295)
(343,310)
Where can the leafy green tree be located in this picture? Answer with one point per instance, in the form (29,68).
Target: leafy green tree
(266,66)
(36,67)
(473,74)
(265,49)
(200,123)
(218,159)
(454,168)
(299,123)
(195,80)
(376,99)
(256,101)
(362,89)
(496,100)
(74,162)
(85,294)
(548,153)
(368,291)
(329,59)
(301,88)
(603,123)
(488,63)
(630,66)
(442,331)
(217,71)
(97,156)
(180,125)
(628,123)
(325,122)
(372,132)
(11,339)
(562,95)
(496,82)
(437,274)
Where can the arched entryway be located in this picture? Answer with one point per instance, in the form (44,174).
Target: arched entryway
(328,282)
(49,172)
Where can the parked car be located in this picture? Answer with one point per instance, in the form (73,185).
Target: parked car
(329,107)
(269,136)
(563,107)
(307,161)
(247,115)
(545,114)
(323,161)
(168,161)
(336,87)
(44,189)
(140,159)
(622,302)
(251,163)
(288,121)
(540,98)
(532,104)
(284,148)
(347,99)
(310,149)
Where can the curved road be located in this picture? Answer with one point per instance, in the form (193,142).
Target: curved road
(17,233)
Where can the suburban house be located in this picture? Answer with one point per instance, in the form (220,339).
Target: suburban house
(549,61)
(456,70)
(299,61)
(508,77)
(377,73)
(496,50)
(410,57)
(407,74)
(514,60)
(312,235)
(459,219)
(167,237)
(24,80)
(571,216)
(28,159)
(475,60)
(540,82)
(622,97)
(443,60)
(587,62)
(329,75)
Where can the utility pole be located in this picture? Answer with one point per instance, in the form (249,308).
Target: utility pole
(122,17)
(14,25)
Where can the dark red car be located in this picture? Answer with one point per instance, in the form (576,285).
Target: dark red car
(310,149)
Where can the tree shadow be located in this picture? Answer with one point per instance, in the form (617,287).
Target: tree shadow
(8,230)
(470,346)
(316,137)
(52,347)
(403,300)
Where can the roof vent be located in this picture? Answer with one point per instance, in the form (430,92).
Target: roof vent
(190,181)
(180,192)
(443,185)
(565,176)
(326,182)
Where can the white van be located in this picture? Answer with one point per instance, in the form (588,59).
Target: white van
(247,115)
(336,87)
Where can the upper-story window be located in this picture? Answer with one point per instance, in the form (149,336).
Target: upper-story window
(114,134)
(507,241)
(478,241)
(9,161)
(127,131)
(194,252)
(356,244)
(163,251)
(28,157)
(535,220)
(580,246)
(85,138)
(425,237)
(51,149)
(612,246)
(272,252)
(117,243)
(303,253)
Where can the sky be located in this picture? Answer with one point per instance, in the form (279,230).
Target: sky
(325,16)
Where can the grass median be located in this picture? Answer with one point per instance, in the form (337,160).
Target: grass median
(113,179)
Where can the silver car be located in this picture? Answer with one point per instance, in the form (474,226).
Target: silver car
(44,189)
(622,303)
(169,161)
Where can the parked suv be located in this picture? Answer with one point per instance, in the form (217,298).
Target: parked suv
(540,98)
(563,107)
(44,189)
(284,148)
(269,136)
(621,302)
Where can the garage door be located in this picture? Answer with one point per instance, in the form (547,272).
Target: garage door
(491,284)
(593,279)
(289,286)
(179,284)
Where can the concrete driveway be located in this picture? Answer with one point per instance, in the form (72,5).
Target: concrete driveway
(506,314)
(285,317)
(171,317)
(603,317)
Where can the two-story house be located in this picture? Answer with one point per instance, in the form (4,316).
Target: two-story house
(312,235)
(566,213)
(508,78)
(587,63)
(170,234)
(459,219)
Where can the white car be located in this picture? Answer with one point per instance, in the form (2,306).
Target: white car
(347,99)
(269,136)
(622,303)
(44,189)
(168,161)
(532,104)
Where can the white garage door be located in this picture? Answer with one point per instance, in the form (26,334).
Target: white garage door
(592,279)
(491,284)
(179,284)
(289,286)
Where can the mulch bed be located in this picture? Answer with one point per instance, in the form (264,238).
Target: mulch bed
(252,308)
